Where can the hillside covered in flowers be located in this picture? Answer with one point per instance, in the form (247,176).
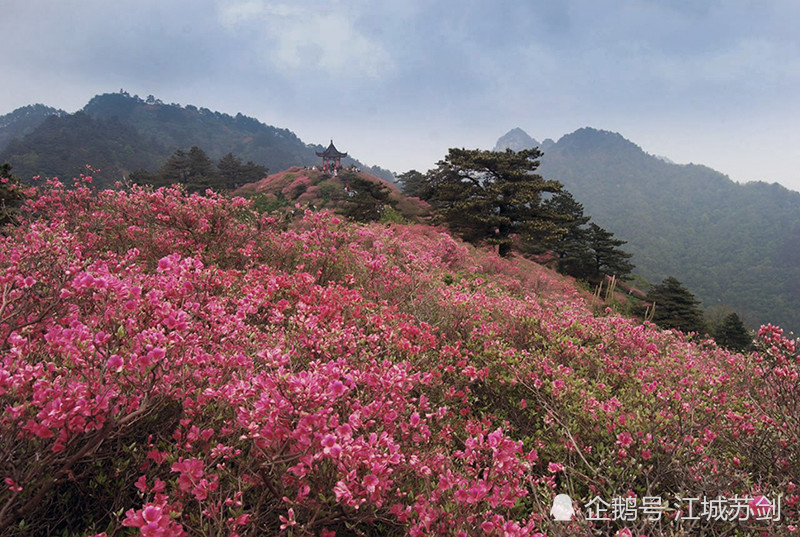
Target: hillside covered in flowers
(179,364)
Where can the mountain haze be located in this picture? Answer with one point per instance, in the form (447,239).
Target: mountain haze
(732,244)
(516,140)
(119,133)
(23,121)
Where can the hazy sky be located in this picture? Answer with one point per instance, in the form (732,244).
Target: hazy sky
(398,82)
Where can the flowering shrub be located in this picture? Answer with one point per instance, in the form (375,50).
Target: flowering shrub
(176,365)
(297,187)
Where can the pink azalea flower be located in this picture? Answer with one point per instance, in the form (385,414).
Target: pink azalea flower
(555,467)
(624,439)
(114,363)
(370,482)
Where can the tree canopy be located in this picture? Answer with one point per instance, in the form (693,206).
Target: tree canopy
(584,249)
(368,199)
(676,307)
(412,183)
(487,196)
(197,172)
(733,334)
(605,255)
(11,195)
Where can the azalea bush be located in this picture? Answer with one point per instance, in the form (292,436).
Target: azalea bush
(179,364)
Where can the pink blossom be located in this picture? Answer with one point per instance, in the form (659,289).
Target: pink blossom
(555,467)
(114,363)
(12,485)
(624,439)
(337,388)
(151,514)
(341,492)
(370,482)
(141,483)
(414,420)
(288,521)
(309,354)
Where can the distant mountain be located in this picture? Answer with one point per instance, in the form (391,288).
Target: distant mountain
(731,244)
(546,144)
(23,121)
(62,146)
(516,140)
(119,133)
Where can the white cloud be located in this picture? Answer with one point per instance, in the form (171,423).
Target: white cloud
(303,36)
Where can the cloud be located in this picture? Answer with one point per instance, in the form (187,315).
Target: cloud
(305,36)
(425,75)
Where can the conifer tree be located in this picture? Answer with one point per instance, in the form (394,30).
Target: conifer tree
(488,196)
(200,165)
(572,246)
(368,200)
(412,183)
(733,334)
(606,257)
(143,177)
(234,174)
(174,171)
(10,195)
(585,250)
(229,168)
(675,307)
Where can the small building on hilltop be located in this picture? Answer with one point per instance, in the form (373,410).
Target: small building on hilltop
(331,159)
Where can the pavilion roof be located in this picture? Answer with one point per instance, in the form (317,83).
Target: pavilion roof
(331,152)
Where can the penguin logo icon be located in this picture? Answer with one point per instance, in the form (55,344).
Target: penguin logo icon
(562,510)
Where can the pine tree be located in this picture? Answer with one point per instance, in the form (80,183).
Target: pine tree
(251,172)
(202,174)
(369,198)
(675,307)
(488,196)
(606,257)
(412,183)
(585,250)
(572,248)
(233,173)
(229,167)
(11,195)
(174,171)
(733,334)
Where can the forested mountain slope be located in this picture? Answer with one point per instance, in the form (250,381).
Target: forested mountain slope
(732,244)
(119,133)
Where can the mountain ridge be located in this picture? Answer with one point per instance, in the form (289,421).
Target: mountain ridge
(24,120)
(54,148)
(516,139)
(729,242)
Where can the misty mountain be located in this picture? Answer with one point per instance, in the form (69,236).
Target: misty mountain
(119,133)
(62,146)
(516,139)
(23,121)
(734,245)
